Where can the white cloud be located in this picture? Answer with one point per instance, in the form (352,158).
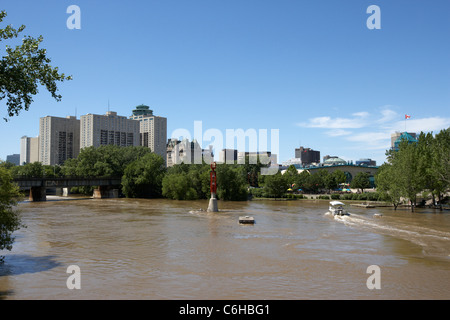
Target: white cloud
(387,115)
(368,137)
(371,132)
(337,123)
(370,140)
(362,114)
(434,124)
(338,132)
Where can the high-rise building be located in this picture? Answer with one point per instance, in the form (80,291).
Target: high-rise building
(152,131)
(307,155)
(228,156)
(397,137)
(59,139)
(188,152)
(29,150)
(13,158)
(100,130)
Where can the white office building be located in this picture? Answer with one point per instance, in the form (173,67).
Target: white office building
(59,139)
(29,150)
(109,129)
(152,130)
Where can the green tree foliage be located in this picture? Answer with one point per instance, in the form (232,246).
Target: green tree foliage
(302,180)
(23,69)
(104,161)
(251,171)
(9,218)
(440,164)
(291,175)
(187,182)
(390,191)
(177,186)
(143,177)
(231,183)
(361,181)
(36,170)
(406,163)
(276,185)
(339,176)
(420,166)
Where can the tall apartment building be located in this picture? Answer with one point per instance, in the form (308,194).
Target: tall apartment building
(152,131)
(29,150)
(307,155)
(99,130)
(59,139)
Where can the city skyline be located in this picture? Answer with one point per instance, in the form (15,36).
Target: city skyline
(313,70)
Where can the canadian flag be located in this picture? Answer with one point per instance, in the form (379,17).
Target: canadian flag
(407,116)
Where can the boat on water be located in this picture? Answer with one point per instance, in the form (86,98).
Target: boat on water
(246,220)
(337,208)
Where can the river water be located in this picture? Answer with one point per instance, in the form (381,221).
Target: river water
(166,249)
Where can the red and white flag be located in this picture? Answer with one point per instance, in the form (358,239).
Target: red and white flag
(407,116)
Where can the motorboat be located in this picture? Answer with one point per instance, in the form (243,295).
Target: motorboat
(337,208)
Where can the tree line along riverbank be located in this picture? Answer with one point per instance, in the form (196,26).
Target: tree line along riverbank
(415,172)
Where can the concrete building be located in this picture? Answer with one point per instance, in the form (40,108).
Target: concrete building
(152,131)
(171,152)
(13,158)
(59,139)
(333,161)
(397,137)
(264,157)
(100,130)
(228,156)
(366,162)
(307,155)
(29,150)
(188,152)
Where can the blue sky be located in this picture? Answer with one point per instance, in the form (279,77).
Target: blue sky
(311,69)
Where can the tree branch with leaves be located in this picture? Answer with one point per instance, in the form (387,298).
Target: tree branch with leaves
(23,69)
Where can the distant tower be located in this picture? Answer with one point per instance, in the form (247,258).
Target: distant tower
(153,129)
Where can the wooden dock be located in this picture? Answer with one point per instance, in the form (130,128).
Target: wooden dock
(362,205)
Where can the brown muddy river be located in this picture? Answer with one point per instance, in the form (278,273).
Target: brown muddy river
(165,249)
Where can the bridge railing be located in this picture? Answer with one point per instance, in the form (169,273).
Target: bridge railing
(68,181)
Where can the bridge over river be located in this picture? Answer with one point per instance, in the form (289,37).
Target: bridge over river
(38,185)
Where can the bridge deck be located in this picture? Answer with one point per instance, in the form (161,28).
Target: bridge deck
(66,182)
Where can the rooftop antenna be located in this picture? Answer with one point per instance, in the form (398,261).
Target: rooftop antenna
(108,105)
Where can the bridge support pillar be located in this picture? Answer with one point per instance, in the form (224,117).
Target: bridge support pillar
(103,192)
(65,192)
(38,194)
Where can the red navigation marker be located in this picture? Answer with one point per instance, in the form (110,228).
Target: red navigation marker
(213,178)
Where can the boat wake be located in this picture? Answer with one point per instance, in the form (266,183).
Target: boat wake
(428,238)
